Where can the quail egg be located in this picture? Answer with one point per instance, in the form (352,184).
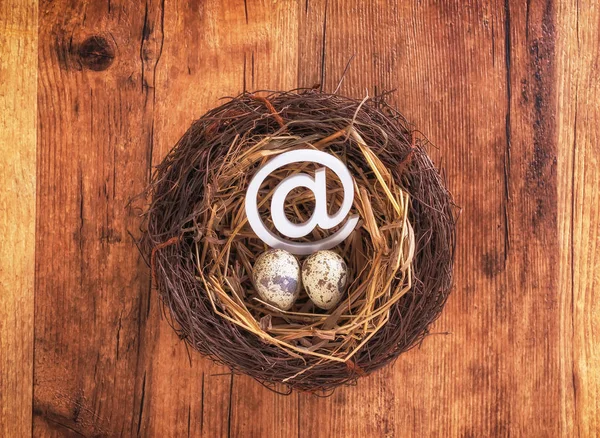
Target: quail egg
(276,276)
(324,275)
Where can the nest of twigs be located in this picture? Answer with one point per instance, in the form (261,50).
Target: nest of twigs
(202,248)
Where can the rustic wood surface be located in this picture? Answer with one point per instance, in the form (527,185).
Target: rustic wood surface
(95,93)
(18,84)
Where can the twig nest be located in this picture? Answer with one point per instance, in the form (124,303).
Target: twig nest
(240,308)
(276,276)
(324,275)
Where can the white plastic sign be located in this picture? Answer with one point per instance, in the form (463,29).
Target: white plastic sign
(320,216)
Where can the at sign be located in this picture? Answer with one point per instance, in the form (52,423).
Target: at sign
(320,217)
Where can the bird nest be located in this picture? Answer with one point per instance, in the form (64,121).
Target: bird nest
(202,249)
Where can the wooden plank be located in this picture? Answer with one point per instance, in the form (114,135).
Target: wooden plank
(478,80)
(18,103)
(579,224)
(419,50)
(271,64)
(532,294)
(212,49)
(95,137)
(331,33)
(81,68)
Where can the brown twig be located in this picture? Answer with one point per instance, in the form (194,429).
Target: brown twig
(270,107)
(158,247)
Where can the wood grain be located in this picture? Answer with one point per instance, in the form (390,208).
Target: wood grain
(507,93)
(454,384)
(203,60)
(579,221)
(94,149)
(18,103)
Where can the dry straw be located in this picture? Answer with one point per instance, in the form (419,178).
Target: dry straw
(202,248)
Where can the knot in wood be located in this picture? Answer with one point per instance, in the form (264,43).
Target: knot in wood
(96,53)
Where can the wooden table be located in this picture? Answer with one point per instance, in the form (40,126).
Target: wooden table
(93,94)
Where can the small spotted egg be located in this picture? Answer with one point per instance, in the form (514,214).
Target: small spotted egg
(324,275)
(276,276)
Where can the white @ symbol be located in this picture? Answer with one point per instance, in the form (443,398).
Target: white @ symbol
(320,216)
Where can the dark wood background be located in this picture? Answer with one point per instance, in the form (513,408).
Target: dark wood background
(94,93)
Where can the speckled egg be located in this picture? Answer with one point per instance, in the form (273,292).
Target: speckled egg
(324,276)
(276,276)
